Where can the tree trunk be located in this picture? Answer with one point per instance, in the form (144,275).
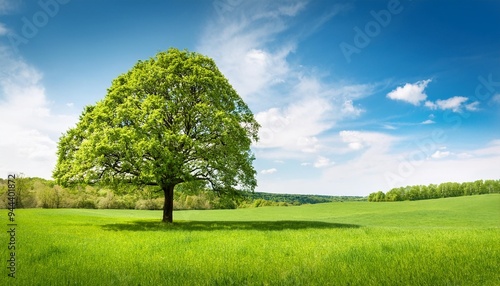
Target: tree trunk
(168,206)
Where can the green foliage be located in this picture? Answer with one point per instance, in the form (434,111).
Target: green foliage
(169,120)
(46,194)
(27,195)
(48,197)
(150,204)
(188,196)
(452,241)
(432,191)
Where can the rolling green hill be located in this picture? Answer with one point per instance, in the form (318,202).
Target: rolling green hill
(452,241)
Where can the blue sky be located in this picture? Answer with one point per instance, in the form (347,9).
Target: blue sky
(353,96)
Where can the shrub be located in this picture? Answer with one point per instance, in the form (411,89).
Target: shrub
(85,203)
(149,204)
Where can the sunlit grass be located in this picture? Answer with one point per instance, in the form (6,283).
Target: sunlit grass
(454,241)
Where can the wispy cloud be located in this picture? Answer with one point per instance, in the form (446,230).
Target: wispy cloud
(293,128)
(349,109)
(428,121)
(269,171)
(26,116)
(302,111)
(358,140)
(474,106)
(292,9)
(322,162)
(388,127)
(456,104)
(294,105)
(240,44)
(440,154)
(379,159)
(354,139)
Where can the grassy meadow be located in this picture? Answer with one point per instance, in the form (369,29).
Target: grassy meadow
(452,241)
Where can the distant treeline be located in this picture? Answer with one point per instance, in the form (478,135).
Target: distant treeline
(301,199)
(41,193)
(432,191)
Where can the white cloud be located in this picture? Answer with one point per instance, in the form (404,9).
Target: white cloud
(238,44)
(251,48)
(299,109)
(472,106)
(322,162)
(383,170)
(428,121)
(378,166)
(294,106)
(308,144)
(453,103)
(348,109)
(357,140)
(26,116)
(440,154)
(456,104)
(470,165)
(295,127)
(412,93)
(269,171)
(353,139)
(431,105)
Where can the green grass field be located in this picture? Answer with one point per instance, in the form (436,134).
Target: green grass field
(453,241)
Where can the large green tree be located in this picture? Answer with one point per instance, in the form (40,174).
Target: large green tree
(171,119)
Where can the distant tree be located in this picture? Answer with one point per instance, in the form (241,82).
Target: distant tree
(491,186)
(395,194)
(480,187)
(413,193)
(425,193)
(23,185)
(171,119)
(456,189)
(433,191)
(467,189)
(379,196)
(443,190)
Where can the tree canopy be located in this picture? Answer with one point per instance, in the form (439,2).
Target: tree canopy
(171,119)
